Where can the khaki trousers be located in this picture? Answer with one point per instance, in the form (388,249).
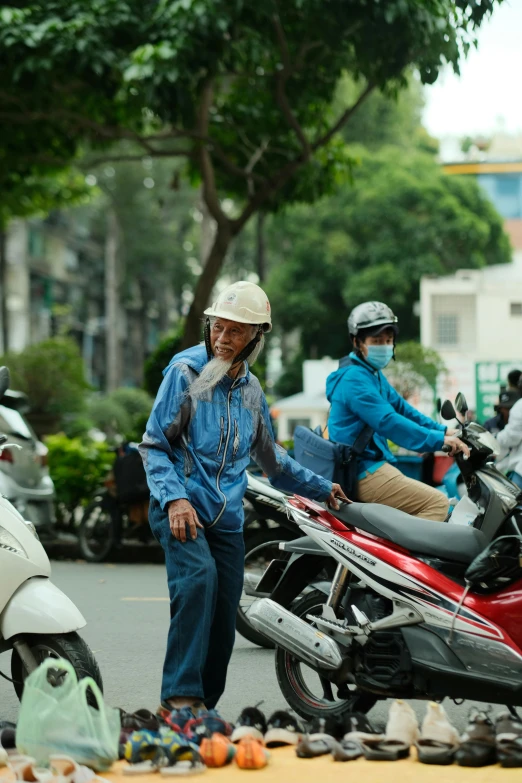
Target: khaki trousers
(392,488)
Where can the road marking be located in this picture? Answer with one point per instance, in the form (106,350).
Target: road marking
(143,598)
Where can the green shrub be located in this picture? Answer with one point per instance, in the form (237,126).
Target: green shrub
(51,373)
(159,359)
(109,416)
(77,468)
(137,404)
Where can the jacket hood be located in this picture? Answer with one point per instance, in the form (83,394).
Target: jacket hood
(334,377)
(195,357)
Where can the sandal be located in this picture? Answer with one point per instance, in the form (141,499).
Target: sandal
(184,761)
(508,731)
(139,720)
(313,745)
(251,754)
(347,750)
(478,748)
(402,730)
(439,739)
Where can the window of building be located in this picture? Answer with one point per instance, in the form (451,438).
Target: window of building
(516,308)
(293,423)
(447,329)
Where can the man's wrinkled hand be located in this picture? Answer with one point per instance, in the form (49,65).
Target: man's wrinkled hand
(332,501)
(182,515)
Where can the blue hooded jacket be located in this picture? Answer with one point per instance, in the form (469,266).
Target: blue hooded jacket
(360,395)
(199,449)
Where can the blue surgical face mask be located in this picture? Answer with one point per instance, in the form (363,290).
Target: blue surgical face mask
(379,356)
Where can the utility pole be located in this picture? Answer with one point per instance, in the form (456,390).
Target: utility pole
(113,358)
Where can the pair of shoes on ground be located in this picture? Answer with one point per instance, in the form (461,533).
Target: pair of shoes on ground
(195,722)
(166,751)
(485,742)
(280,729)
(61,769)
(248,752)
(436,741)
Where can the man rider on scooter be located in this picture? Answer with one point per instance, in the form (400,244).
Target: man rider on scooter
(360,395)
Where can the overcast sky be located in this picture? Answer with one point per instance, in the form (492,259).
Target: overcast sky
(487,95)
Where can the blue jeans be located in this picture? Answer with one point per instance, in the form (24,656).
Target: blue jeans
(205,579)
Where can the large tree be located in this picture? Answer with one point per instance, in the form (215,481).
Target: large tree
(242,89)
(402,218)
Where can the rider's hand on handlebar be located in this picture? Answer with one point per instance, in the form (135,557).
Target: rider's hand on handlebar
(335,495)
(454,445)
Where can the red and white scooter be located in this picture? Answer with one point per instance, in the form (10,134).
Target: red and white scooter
(417,609)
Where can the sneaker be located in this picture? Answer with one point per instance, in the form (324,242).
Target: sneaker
(217,751)
(251,723)
(250,754)
(175,719)
(205,724)
(283,729)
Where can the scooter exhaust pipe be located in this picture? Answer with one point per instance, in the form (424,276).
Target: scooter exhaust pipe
(294,635)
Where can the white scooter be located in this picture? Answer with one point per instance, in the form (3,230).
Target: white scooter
(37,620)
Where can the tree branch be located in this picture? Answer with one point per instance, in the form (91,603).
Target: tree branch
(281,80)
(343,119)
(210,193)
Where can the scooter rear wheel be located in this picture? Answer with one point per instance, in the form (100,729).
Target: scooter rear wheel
(307,693)
(70,646)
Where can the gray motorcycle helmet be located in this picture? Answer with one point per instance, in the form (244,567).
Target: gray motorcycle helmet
(371,318)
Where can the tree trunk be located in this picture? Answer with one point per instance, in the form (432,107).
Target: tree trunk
(204,286)
(260,247)
(112,303)
(3,292)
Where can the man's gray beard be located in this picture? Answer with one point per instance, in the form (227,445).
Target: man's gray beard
(211,374)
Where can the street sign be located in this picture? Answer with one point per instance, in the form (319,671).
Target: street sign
(489,377)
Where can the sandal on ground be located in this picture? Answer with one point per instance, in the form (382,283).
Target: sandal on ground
(439,740)
(478,748)
(184,761)
(402,731)
(508,732)
(347,750)
(251,754)
(64,769)
(313,745)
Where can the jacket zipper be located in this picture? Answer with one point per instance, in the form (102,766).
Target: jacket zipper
(236,439)
(222,425)
(220,471)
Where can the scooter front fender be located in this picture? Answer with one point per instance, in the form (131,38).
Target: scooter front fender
(39,607)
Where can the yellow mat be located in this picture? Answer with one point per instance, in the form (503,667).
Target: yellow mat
(284,767)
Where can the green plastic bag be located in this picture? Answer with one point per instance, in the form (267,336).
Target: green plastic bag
(55,717)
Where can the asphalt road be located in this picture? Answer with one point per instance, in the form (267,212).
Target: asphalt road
(127,613)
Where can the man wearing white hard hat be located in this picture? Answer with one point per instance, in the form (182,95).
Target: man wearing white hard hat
(209,418)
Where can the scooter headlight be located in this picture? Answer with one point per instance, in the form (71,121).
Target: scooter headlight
(11,544)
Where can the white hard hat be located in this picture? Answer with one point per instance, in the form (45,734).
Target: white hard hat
(243,302)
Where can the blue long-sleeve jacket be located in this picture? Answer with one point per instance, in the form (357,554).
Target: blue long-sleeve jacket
(360,395)
(200,449)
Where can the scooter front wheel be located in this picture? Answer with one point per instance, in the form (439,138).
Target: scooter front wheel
(70,646)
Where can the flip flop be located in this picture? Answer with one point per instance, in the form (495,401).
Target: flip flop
(432,751)
(478,748)
(313,745)
(385,750)
(347,750)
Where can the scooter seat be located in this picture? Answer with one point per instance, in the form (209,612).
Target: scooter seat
(459,543)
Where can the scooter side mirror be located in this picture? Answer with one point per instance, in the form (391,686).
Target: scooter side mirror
(447,411)
(5,379)
(461,404)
